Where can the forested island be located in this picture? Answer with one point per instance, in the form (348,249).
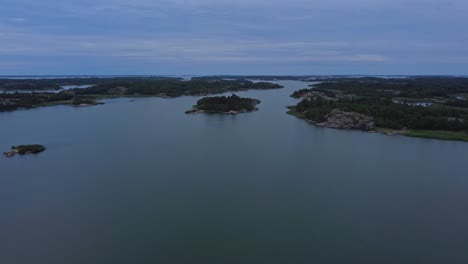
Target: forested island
(24,149)
(225,105)
(431,107)
(125,87)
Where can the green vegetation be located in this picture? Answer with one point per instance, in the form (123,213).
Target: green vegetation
(126,87)
(24,149)
(255,77)
(393,104)
(175,88)
(14,101)
(299,93)
(388,114)
(443,88)
(303,92)
(442,135)
(83,100)
(292,111)
(49,84)
(223,104)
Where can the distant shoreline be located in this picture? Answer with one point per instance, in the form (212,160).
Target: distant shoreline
(115,87)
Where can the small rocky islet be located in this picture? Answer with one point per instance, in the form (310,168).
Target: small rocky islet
(24,149)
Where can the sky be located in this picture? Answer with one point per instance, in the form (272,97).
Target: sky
(243,37)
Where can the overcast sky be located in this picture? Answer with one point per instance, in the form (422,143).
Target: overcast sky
(233,37)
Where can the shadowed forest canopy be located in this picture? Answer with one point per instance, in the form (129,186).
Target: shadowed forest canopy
(123,86)
(176,88)
(223,104)
(393,103)
(49,84)
(410,87)
(23,149)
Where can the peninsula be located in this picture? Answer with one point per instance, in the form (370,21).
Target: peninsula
(225,105)
(429,107)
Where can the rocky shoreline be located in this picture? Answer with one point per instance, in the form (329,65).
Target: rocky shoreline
(338,119)
(348,120)
(341,120)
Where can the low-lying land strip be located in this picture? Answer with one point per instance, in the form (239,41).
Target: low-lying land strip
(122,87)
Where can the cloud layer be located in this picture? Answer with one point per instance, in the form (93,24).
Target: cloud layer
(235,37)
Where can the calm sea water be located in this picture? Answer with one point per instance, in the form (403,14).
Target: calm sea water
(138,181)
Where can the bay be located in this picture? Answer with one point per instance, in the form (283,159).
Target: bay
(139,181)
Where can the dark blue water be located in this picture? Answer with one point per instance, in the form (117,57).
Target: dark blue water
(138,181)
